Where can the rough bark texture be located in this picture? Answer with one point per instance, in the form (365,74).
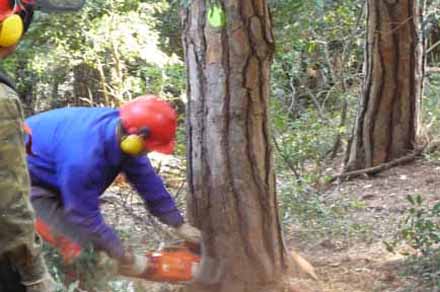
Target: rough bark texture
(230,173)
(387,119)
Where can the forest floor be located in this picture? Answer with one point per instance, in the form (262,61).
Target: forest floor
(346,249)
(355,259)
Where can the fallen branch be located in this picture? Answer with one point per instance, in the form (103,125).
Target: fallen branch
(380,167)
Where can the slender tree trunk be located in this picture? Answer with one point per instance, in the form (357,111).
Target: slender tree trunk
(86,88)
(230,173)
(386,124)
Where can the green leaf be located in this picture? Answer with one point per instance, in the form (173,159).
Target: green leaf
(73,286)
(419,200)
(436,209)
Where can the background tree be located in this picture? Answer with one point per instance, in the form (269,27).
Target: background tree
(230,173)
(386,124)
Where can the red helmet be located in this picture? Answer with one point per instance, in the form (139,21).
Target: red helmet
(154,118)
(6,9)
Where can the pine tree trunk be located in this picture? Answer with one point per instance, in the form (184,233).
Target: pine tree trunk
(230,172)
(386,124)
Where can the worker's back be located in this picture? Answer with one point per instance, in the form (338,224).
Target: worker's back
(76,135)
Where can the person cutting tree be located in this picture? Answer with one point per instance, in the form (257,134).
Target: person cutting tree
(77,152)
(22,266)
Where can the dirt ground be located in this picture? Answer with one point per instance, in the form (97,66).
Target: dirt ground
(362,264)
(348,261)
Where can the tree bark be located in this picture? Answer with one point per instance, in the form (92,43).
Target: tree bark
(230,173)
(386,124)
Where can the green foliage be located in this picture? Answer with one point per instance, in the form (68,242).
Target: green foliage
(104,54)
(86,272)
(170,36)
(316,217)
(430,109)
(420,227)
(425,269)
(315,80)
(299,206)
(322,35)
(89,272)
(302,142)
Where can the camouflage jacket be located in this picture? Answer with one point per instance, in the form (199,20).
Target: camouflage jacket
(17,237)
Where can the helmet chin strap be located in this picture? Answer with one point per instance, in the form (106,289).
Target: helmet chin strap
(119,130)
(143,132)
(18,4)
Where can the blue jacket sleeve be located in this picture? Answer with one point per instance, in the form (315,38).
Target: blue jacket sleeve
(150,187)
(81,206)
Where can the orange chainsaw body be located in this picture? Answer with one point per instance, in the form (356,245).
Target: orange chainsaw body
(172,264)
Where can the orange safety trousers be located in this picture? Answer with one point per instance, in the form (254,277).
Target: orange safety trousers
(69,249)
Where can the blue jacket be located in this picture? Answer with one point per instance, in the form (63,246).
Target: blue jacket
(76,154)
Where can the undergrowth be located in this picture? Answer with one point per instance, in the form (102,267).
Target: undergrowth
(420,229)
(314,216)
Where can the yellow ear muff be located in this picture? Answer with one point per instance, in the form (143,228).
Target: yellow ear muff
(11,30)
(132,144)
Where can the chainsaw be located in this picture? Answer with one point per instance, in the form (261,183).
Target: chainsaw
(178,262)
(181,263)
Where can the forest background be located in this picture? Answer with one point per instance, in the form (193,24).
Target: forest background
(115,50)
